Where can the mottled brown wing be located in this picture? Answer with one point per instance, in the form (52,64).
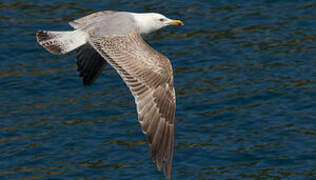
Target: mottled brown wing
(149,76)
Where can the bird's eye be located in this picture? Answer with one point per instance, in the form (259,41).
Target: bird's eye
(161,19)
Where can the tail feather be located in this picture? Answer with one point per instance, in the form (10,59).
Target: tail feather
(61,42)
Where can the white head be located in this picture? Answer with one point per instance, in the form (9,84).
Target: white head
(149,22)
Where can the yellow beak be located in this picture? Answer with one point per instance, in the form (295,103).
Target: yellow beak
(176,23)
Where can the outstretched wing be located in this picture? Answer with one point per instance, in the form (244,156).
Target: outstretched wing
(149,76)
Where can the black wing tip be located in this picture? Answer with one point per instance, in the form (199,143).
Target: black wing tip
(89,64)
(87,82)
(87,78)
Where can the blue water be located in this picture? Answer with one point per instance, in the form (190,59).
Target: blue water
(245,81)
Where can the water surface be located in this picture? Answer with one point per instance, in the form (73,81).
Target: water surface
(244,78)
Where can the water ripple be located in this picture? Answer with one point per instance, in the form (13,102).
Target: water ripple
(244,78)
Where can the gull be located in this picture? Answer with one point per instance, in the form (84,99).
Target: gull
(115,38)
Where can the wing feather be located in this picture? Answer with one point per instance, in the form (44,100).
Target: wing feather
(148,74)
(90,64)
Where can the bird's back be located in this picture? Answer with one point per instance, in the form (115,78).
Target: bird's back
(106,24)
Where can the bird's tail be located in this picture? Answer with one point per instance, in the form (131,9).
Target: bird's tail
(61,42)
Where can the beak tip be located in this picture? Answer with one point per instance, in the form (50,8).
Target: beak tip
(176,23)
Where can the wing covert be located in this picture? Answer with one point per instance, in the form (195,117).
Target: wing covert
(149,76)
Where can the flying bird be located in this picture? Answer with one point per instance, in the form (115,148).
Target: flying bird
(115,38)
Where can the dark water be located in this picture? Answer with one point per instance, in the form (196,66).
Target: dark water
(244,77)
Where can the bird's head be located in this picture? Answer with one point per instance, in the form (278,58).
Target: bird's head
(149,22)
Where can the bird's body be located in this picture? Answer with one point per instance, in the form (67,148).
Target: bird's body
(115,38)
